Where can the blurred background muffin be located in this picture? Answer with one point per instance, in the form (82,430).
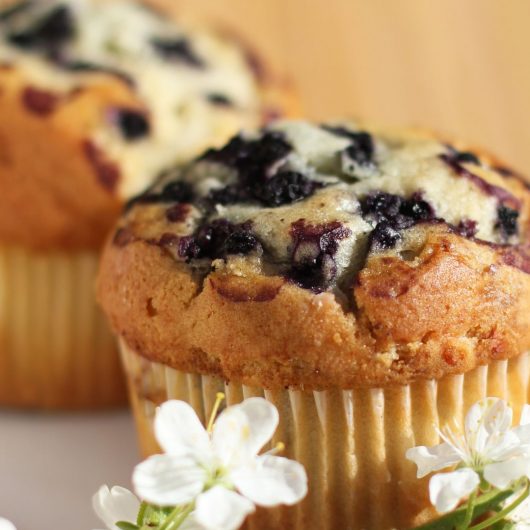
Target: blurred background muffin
(96,98)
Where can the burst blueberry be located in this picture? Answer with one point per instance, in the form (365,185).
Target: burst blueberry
(284,188)
(48,33)
(362,147)
(178,49)
(219,239)
(173,191)
(260,177)
(467,228)
(230,194)
(393,213)
(132,123)
(507,222)
(384,236)
(219,100)
(463,157)
(313,253)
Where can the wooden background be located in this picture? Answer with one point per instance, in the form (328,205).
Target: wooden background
(461,67)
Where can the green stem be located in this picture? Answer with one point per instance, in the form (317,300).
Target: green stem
(177,517)
(141,514)
(469,512)
(171,517)
(504,512)
(183,516)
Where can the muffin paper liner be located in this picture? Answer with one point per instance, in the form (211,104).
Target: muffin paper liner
(56,351)
(351,442)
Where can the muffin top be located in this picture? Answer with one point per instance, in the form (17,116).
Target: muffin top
(325,255)
(136,92)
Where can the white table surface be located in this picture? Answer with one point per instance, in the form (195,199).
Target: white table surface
(50,466)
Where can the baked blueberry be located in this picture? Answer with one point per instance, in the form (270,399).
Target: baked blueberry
(463,157)
(220,100)
(467,228)
(230,194)
(507,222)
(48,33)
(133,124)
(218,239)
(284,187)
(362,147)
(394,213)
(172,191)
(313,253)
(384,236)
(178,49)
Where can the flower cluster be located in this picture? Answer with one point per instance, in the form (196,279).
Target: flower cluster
(490,479)
(206,478)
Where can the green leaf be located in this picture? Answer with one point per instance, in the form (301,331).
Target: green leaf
(124,525)
(484,503)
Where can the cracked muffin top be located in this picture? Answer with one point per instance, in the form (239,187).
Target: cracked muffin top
(132,90)
(325,255)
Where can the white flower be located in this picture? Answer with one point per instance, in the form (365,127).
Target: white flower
(221,471)
(488,446)
(115,505)
(6,525)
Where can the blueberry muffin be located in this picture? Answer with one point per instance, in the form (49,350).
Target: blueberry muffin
(96,98)
(373,285)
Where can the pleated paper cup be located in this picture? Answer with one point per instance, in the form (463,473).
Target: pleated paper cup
(352,443)
(56,351)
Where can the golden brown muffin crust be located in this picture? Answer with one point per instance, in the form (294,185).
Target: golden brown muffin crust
(455,307)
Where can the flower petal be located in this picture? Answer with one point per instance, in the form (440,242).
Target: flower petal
(179,430)
(168,480)
(482,420)
(498,415)
(429,459)
(117,504)
(273,480)
(219,508)
(504,447)
(446,490)
(502,474)
(242,430)
(503,442)
(6,525)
